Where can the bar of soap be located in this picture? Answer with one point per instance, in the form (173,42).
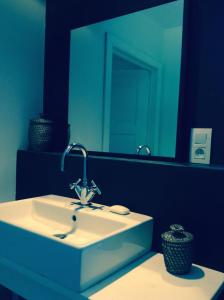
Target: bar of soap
(120,210)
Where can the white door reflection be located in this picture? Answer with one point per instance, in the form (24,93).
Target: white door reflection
(130,96)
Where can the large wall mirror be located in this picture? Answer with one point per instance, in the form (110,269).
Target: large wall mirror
(124,81)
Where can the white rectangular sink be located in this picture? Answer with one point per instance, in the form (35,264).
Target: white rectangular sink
(99,242)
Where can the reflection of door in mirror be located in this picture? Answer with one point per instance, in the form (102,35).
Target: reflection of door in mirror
(124,90)
(132,84)
(130,94)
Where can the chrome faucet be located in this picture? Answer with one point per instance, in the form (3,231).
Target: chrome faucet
(83,191)
(141,147)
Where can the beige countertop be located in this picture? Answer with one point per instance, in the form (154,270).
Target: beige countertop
(148,279)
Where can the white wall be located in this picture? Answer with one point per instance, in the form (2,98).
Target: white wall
(22,26)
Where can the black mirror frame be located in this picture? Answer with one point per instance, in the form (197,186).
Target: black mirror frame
(59,22)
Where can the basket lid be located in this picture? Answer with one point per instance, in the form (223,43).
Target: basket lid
(41,120)
(177,234)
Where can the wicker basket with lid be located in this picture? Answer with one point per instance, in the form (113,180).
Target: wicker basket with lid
(177,246)
(40,134)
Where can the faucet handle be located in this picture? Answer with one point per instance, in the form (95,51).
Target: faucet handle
(95,188)
(73,185)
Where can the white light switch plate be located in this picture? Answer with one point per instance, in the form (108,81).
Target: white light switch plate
(200,146)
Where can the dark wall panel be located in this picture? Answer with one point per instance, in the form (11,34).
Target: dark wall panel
(209,105)
(171,193)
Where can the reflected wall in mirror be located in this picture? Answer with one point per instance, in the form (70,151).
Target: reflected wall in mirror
(124,81)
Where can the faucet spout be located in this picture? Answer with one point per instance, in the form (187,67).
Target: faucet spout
(141,147)
(76,146)
(84,192)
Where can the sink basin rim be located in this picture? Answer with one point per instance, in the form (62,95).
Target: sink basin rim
(102,214)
